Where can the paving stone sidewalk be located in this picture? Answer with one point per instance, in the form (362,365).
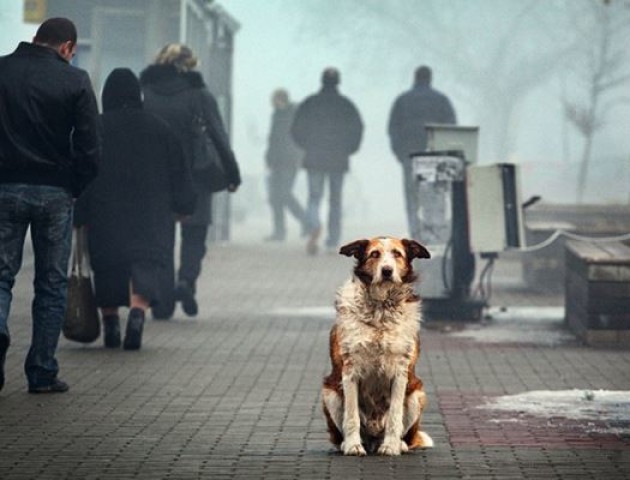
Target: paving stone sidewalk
(234,392)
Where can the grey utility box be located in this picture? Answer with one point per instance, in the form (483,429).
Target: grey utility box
(494,206)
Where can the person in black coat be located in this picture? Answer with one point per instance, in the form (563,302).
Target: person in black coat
(178,94)
(49,152)
(283,158)
(328,127)
(144,182)
(410,113)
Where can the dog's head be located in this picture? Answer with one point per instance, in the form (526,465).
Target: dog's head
(385,259)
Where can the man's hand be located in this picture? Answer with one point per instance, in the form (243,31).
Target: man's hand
(232,188)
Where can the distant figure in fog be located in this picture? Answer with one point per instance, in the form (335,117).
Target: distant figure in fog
(410,113)
(176,92)
(144,181)
(328,127)
(49,152)
(283,158)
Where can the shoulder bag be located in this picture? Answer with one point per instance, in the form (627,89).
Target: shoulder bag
(81,323)
(207,165)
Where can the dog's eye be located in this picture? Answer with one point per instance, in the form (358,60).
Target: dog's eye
(375,254)
(396,254)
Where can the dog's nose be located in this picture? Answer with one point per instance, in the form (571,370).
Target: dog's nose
(387,272)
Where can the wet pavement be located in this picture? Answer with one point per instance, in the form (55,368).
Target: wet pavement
(234,392)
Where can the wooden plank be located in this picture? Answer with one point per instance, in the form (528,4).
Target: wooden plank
(587,252)
(617,250)
(609,289)
(608,273)
(606,253)
(597,286)
(599,262)
(601,338)
(548,227)
(597,298)
(578,316)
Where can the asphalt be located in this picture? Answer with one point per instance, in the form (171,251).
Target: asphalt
(234,392)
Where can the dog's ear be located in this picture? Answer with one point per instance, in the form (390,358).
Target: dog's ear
(415,249)
(354,249)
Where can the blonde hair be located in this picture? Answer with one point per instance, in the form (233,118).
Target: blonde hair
(178,55)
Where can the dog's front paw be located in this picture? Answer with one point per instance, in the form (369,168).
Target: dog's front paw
(353,448)
(391,448)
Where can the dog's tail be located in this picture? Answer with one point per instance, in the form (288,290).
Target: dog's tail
(416,439)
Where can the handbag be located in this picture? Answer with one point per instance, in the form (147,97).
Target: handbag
(207,165)
(81,322)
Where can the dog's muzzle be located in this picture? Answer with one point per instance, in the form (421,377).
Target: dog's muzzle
(387,273)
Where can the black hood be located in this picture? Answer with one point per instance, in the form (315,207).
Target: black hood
(167,80)
(121,90)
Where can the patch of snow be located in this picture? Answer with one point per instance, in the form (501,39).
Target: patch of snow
(533,325)
(527,313)
(602,406)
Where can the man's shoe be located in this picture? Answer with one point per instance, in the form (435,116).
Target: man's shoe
(311,246)
(185,294)
(4,346)
(135,326)
(57,386)
(111,331)
(164,309)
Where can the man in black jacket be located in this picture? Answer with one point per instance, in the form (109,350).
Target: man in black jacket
(328,127)
(410,113)
(49,152)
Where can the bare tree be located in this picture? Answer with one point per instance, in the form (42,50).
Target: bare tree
(604,70)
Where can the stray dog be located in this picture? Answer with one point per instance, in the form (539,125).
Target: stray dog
(372,399)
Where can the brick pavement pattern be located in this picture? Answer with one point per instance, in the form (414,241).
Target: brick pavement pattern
(234,393)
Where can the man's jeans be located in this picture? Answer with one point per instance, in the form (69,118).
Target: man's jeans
(281,197)
(316,181)
(48,212)
(191,253)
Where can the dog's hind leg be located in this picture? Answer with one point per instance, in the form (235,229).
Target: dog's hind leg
(332,403)
(412,418)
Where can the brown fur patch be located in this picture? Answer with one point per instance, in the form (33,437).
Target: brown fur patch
(336,437)
(333,381)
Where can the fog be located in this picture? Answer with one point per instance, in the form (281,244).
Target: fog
(377,45)
(507,66)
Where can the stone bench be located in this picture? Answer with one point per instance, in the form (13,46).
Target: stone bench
(597,292)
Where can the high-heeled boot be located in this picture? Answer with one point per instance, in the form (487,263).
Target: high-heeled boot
(111,331)
(135,326)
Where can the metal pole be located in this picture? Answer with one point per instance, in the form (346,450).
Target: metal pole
(183,20)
